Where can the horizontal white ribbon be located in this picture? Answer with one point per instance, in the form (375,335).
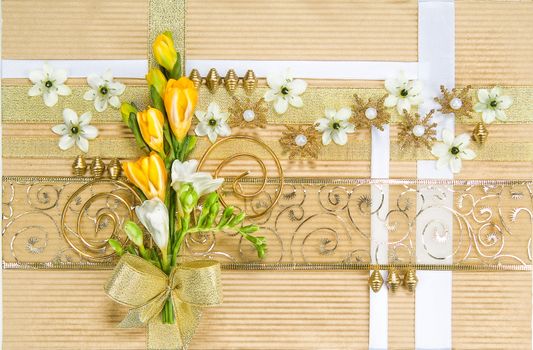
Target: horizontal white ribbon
(77,68)
(342,70)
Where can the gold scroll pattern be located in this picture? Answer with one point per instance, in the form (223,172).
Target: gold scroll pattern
(315,221)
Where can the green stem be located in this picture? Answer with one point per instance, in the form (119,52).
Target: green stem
(167,315)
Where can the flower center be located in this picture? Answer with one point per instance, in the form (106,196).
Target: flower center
(284,90)
(494,103)
(212,122)
(336,126)
(404,92)
(103,90)
(48,84)
(74,130)
(454,150)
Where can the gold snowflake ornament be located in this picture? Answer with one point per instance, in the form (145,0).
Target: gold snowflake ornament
(416,132)
(300,141)
(457,102)
(370,113)
(246,113)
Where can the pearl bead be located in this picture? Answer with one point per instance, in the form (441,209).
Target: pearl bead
(456,103)
(300,140)
(248,115)
(371,113)
(418,130)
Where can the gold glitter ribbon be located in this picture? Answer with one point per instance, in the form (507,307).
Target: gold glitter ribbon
(140,285)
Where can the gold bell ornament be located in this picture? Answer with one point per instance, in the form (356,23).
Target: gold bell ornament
(114,169)
(410,280)
(375,281)
(394,281)
(231,81)
(249,82)
(212,80)
(97,167)
(480,133)
(79,167)
(196,78)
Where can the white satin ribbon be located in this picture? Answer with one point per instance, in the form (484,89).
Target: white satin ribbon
(436,53)
(342,70)
(379,302)
(77,68)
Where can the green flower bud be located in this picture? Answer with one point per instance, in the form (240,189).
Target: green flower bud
(117,247)
(226,215)
(188,199)
(125,110)
(249,229)
(237,219)
(134,233)
(213,213)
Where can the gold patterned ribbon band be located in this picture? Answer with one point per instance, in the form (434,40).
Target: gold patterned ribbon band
(140,285)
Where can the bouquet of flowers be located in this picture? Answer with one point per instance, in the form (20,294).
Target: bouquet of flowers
(177,199)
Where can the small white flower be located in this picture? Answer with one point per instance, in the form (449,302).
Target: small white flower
(75,130)
(185,173)
(403,93)
(50,83)
(335,126)
(153,214)
(212,123)
(451,151)
(284,90)
(492,104)
(104,90)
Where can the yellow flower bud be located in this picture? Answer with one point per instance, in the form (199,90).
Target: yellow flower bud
(148,174)
(151,125)
(157,79)
(164,51)
(180,100)
(125,110)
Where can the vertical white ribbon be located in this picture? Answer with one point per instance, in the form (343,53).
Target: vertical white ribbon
(379,302)
(436,54)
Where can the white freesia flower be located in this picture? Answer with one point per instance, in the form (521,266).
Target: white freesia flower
(104,91)
(403,93)
(335,126)
(185,173)
(212,123)
(492,104)
(452,150)
(153,214)
(284,90)
(75,130)
(50,83)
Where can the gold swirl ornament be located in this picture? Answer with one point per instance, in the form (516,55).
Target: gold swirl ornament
(236,184)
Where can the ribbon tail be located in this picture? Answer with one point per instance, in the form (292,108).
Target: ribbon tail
(188,317)
(140,316)
(164,336)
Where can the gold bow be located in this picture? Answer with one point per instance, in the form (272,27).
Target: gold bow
(140,285)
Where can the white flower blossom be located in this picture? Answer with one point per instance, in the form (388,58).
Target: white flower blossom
(185,173)
(75,130)
(104,91)
(284,90)
(492,104)
(451,151)
(50,83)
(403,93)
(153,214)
(212,123)
(335,126)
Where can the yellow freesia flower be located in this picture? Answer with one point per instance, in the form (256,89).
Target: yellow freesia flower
(180,100)
(148,174)
(164,51)
(157,79)
(151,124)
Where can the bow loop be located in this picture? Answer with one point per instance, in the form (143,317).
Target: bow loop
(197,283)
